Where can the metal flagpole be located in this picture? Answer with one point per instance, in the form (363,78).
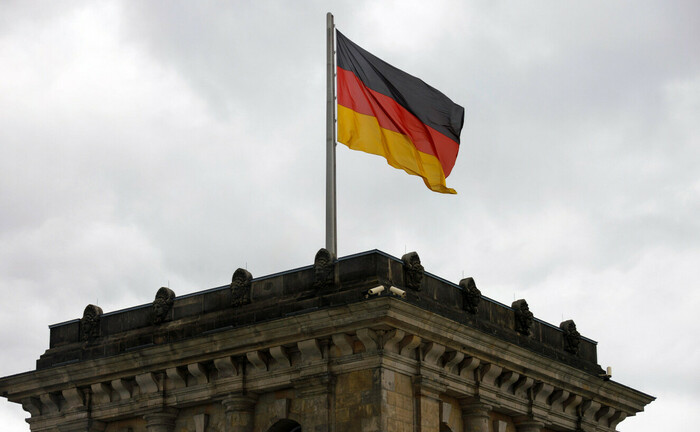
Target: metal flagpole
(331,228)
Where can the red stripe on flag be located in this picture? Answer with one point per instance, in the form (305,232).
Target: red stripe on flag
(353,94)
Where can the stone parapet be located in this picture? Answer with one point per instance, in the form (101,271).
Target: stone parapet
(491,375)
(293,292)
(354,361)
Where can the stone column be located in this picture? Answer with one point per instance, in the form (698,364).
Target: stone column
(240,411)
(161,421)
(475,415)
(528,425)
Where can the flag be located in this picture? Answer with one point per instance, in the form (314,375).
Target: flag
(385,111)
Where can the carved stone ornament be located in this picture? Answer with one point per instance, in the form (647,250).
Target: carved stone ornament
(523,317)
(90,323)
(165,297)
(572,338)
(323,270)
(240,287)
(412,271)
(471,296)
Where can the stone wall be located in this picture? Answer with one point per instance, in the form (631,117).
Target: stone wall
(398,409)
(358,401)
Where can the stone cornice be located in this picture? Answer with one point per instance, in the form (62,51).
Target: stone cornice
(279,353)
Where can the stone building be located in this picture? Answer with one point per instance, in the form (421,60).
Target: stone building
(365,343)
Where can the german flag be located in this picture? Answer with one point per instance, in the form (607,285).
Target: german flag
(385,111)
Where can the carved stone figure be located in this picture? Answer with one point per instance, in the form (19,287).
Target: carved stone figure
(412,271)
(572,338)
(471,296)
(165,297)
(523,317)
(240,287)
(323,270)
(90,323)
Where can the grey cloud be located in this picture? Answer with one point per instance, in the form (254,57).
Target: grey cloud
(146,144)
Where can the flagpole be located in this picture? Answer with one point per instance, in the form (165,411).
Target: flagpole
(331,226)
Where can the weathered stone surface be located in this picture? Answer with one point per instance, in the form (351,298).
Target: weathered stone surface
(408,345)
(523,386)
(32,406)
(240,287)
(368,338)
(163,303)
(162,420)
(343,343)
(335,361)
(324,269)
(226,367)
(556,400)
(412,271)
(475,415)
(90,323)
(572,403)
(432,353)
(279,295)
(358,401)
(471,296)
(123,387)
(239,409)
(101,393)
(279,354)
(50,403)
(200,422)
(507,379)
(199,372)
(310,350)
(74,398)
(572,338)
(258,359)
(452,361)
(523,317)
(526,424)
(500,426)
(147,382)
(392,340)
(177,377)
(469,367)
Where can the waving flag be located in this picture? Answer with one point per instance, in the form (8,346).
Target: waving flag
(385,111)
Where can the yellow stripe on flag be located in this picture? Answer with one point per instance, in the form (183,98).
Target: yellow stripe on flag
(362,132)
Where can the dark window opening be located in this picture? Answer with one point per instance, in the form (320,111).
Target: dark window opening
(285,425)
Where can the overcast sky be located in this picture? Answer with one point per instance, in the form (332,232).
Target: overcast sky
(149,144)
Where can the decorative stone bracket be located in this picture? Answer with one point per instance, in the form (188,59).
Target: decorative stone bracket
(482,383)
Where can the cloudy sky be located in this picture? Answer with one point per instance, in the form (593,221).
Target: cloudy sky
(149,144)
